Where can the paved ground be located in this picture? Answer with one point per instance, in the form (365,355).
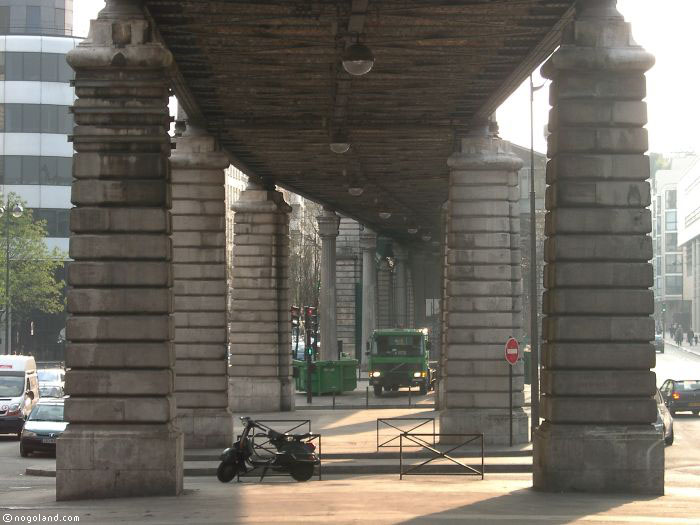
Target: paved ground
(499,499)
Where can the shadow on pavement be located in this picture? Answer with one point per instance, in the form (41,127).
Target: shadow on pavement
(530,506)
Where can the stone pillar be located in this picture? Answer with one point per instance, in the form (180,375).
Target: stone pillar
(385,296)
(597,387)
(122,440)
(483,292)
(260,371)
(199,290)
(368,244)
(400,286)
(328,223)
(418,270)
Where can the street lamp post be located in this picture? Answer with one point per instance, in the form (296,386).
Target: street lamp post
(16,212)
(534,336)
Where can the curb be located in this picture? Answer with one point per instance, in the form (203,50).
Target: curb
(334,470)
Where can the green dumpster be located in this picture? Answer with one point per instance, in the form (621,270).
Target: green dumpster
(327,376)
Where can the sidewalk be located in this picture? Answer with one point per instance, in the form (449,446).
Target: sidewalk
(694,349)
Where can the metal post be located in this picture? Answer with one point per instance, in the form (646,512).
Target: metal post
(307,356)
(333,399)
(410,390)
(367,397)
(7,277)
(534,336)
(510,401)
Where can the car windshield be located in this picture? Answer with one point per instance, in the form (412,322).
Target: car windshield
(50,391)
(398,345)
(11,386)
(687,385)
(49,376)
(47,413)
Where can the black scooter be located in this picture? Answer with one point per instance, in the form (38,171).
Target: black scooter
(292,454)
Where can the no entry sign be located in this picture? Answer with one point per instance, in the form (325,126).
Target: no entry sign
(512,352)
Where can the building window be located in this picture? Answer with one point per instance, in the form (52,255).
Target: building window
(671,200)
(4,20)
(33,19)
(47,171)
(45,67)
(674,285)
(674,264)
(35,118)
(671,224)
(57,221)
(671,242)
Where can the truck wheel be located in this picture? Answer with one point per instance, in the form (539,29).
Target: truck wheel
(423,389)
(378,390)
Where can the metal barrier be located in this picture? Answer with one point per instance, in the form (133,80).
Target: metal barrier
(312,438)
(300,423)
(416,439)
(385,421)
(265,445)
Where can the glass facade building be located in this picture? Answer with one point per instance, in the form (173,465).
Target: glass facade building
(35,122)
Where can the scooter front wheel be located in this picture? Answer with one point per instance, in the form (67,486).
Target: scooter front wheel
(226,472)
(302,471)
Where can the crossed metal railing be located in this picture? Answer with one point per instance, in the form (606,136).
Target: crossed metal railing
(417,439)
(392,422)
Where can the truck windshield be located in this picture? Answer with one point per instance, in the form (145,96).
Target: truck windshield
(11,386)
(398,345)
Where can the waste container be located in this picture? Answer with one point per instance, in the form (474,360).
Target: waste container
(327,376)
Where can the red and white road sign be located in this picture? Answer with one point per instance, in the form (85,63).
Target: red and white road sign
(512,351)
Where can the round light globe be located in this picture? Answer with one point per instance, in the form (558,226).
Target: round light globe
(356,191)
(358,59)
(384,215)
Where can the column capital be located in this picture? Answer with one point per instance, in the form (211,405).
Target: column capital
(197,149)
(598,39)
(484,153)
(328,223)
(368,240)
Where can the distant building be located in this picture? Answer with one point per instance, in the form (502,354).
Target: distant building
(671,307)
(688,195)
(35,155)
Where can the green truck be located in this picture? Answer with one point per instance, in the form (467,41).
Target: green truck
(399,357)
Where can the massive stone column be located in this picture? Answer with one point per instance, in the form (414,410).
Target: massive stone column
(199,289)
(260,371)
(122,440)
(483,296)
(597,386)
(400,286)
(368,244)
(348,277)
(328,223)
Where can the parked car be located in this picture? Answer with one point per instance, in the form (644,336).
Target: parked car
(51,391)
(51,376)
(44,425)
(664,420)
(681,395)
(659,343)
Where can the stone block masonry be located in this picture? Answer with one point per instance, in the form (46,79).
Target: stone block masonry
(122,440)
(260,375)
(597,387)
(199,289)
(482,293)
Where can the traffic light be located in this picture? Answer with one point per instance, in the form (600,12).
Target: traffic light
(294,311)
(663,307)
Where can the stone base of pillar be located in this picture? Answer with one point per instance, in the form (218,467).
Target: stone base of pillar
(590,458)
(494,423)
(206,427)
(100,461)
(260,394)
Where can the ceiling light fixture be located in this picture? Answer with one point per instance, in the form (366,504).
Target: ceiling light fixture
(426,237)
(384,215)
(412,230)
(357,59)
(356,190)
